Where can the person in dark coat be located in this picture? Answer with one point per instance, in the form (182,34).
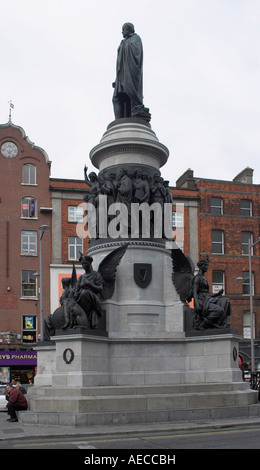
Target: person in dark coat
(21,388)
(16,401)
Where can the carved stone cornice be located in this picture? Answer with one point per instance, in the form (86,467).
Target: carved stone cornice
(129,143)
(131,243)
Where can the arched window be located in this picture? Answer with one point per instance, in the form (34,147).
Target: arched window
(29,173)
(29,207)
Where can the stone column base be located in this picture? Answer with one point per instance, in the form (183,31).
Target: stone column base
(82,361)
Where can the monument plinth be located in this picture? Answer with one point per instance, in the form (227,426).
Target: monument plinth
(129,143)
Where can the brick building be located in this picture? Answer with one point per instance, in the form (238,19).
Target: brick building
(67,197)
(228,215)
(24,207)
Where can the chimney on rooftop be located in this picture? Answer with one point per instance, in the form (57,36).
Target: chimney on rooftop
(245,176)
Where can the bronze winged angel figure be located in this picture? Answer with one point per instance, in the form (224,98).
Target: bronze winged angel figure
(81,299)
(210,310)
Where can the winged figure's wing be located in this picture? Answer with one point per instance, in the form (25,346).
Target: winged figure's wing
(73,280)
(183,274)
(108,268)
(191,263)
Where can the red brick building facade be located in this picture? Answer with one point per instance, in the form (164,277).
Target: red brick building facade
(24,206)
(228,215)
(67,198)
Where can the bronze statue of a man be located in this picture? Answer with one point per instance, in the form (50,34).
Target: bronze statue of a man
(128,86)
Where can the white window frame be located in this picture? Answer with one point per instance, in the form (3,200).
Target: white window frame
(216,287)
(246,283)
(245,245)
(247,325)
(221,243)
(219,207)
(26,239)
(32,174)
(30,199)
(75,213)
(177,219)
(34,296)
(246,209)
(75,244)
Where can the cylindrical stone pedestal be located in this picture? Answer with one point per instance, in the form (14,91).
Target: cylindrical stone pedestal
(145,303)
(131,144)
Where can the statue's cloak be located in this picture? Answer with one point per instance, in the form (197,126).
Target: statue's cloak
(129,69)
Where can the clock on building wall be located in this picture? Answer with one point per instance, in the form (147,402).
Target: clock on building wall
(9,150)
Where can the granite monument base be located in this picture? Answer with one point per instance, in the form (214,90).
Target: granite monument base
(80,360)
(92,380)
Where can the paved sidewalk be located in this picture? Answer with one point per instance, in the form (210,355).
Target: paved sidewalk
(18,431)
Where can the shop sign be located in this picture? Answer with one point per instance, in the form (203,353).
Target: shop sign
(18,358)
(216,288)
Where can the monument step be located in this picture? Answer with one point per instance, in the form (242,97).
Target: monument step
(141,402)
(136,390)
(210,414)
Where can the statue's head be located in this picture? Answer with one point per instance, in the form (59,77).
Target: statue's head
(127,28)
(203,264)
(138,173)
(65,282)
(122,172)
(85,260)
(93,176)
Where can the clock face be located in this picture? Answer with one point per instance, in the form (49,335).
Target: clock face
(9,150)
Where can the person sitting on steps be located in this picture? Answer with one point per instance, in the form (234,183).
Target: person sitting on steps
(16,401)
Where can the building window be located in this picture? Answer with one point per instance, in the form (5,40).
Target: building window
(218,281)
(247,325)
(246,283)
(75,246)
(29,328)
(29,173)
(29,207)
(216,206)
(245,236)
(217,242)
(75,214)
(29,242)
(177,219)
(29,284)
(245,208)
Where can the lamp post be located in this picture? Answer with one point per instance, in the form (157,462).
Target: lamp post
(43,229)
(250,277)
(37,275)
(250,246)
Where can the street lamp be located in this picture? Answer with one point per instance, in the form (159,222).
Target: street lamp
(250,246)
(43,229)
(36,275)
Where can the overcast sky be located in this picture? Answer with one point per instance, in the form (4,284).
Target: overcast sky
(201,79)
